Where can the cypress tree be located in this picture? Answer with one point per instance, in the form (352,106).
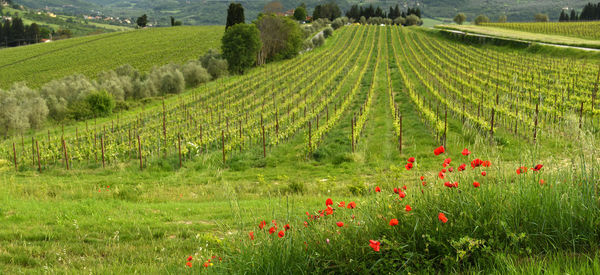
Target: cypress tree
(235,15)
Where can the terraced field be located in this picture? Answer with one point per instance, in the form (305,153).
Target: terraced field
(38,64)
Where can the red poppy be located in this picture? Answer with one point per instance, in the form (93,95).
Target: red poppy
(476,163)
(251,237)
(272,230)
(448,184)
(262,224)
(444,165)
(394,222)
(442,217)
(411,159)
(339,224)
(189,259)
(521,170)
(206,264)
(486,163)
(408,166)
(439,150)
(542,182)
(466,152)
(447,161)
(328,202)
(443,170)
(341,204)
(462,167)
(483,173)
(456,185)
(423,183)
(377,189)
(287,227)
(441,175)
(329,210)
(408,208)
(351,205)
(375,245)
(404,187)
(401,194)
(476,184)
(450,169)
(538,167)
(281,234)
(422,178)
(395,190)
(188,264)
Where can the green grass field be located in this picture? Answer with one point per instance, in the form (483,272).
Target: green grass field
(119,219)
(494,30)
(38,64)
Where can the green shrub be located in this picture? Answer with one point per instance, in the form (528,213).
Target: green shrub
(327,32)
(100,103)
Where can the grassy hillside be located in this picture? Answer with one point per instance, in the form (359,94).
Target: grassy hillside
(499,31)
(122,220)
(214,12)
(41,63)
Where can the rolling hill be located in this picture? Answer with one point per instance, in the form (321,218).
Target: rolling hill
(41,63)
(194,12)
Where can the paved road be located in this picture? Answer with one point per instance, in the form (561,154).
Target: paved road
(523,41)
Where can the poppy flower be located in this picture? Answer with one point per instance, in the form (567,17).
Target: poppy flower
(455,184)
(444,165)
(476,163)
(395,190)
(422,178)
(542,182)
(351,205)
(329,210)
(375,245)
(450,169)
(439,150)
(287,227)
(394,222)
(206,264)
(189,259)
(411,159)
(262,224)
(441,175)
(188,264)
(251,238)
(339,224)
(423,183)
(447,161)
(408,166)
(401,194)
(341,204)
(281,234)
(377,189)
(404,187)
(328,202)
(476,184)
(521,170)
(408,208)
(462,167)
(272,230)
(448,184)
(442,217)
(466,152)
(483,173)
(538,167)
(443,170)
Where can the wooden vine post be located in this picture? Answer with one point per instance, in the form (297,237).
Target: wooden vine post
(537,111)
(223,144)
(352,137)
(38,156)
(179,145)
(64,144)
(140,152)
(102,148)
(15,157)
(263,142)
(400,134)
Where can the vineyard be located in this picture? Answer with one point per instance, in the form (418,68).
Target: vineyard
(495,93)
(586,30)
(41,63)
(183,182)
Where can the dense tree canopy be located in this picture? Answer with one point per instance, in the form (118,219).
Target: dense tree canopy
(330,11)
(240,46)
(281,38)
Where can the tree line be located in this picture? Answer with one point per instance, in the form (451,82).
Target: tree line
(590,12)
(15,33)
